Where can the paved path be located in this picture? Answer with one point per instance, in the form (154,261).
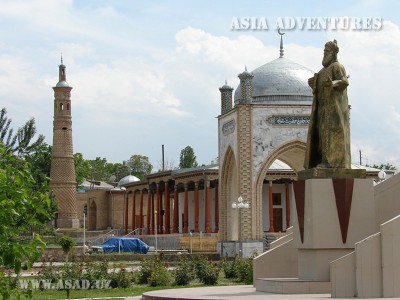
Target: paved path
(239,292)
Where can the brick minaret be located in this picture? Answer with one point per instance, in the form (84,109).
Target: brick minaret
(62,173)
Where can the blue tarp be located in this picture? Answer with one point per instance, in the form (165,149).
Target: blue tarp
(116,244)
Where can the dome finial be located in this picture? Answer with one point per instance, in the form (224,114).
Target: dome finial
(61,58)
(226,82)
(245,68)
(281,46)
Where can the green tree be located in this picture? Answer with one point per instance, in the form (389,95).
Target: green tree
(118,169)
(386,166)
(82,168)
(22,142)
(187,158)
(22,206)
(99,169)
(139,166)
(67,243)
(39,162)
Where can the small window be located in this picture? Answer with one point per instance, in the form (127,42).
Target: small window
(67,106)
(61,106)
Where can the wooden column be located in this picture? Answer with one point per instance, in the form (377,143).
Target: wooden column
(175,226)
(216,209)
(141,210)
(152,213)
(167,212)
(196,207)
(186,211)
(148,211)
(207,208)
(134,211)
(126,199)
(271,209)
(287,205)
(157,208)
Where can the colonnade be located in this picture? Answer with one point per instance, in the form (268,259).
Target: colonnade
(156,207)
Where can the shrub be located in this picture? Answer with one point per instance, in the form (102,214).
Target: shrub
(96,271)
(206,271)
(154,272)
(229,268)
(184,272)
(48,274)
(66,243)
(144,271)
(244,270)
(121,278)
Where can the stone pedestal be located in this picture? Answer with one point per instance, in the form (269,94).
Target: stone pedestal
(332,215)
(334,210)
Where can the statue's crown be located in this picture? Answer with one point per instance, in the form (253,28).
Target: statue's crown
(332,46)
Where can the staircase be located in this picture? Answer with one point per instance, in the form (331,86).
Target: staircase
(373,269)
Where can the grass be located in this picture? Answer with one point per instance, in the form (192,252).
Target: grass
(135,290)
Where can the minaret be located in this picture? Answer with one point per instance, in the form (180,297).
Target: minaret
(62,173)
(226,98)
(246,87)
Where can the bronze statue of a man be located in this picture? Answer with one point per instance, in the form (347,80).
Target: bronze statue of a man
(328,141)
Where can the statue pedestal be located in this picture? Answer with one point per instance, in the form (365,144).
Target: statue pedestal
(333,212)
(332,215)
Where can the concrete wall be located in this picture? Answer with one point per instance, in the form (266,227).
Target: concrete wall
(387,199)
(278,262)
(390,234)
(343,277)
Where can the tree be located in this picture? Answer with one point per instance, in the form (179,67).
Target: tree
(98,169)
(22,206)
(168,165)
(139,166)
(82,168)
(187,158)
(39,162)
(21,143)
(119,170)
(386,166)
(67,243)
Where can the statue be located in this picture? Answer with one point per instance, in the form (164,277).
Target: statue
(328,140)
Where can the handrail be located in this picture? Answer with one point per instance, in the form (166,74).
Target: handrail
(101,239)
(140,231)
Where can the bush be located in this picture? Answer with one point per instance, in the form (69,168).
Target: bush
(154,272)
(121,279)
(229,268)
(96,271)
(184,272)
(244,270)
(66,243)
(206,271)
(144,271)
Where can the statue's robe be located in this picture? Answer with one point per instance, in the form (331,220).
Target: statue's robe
(328,140)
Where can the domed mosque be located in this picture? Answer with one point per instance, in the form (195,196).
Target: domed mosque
(262,140)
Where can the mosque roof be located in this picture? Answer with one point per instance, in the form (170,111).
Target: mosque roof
(280,80)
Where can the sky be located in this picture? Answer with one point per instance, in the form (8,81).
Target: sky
(146,73)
